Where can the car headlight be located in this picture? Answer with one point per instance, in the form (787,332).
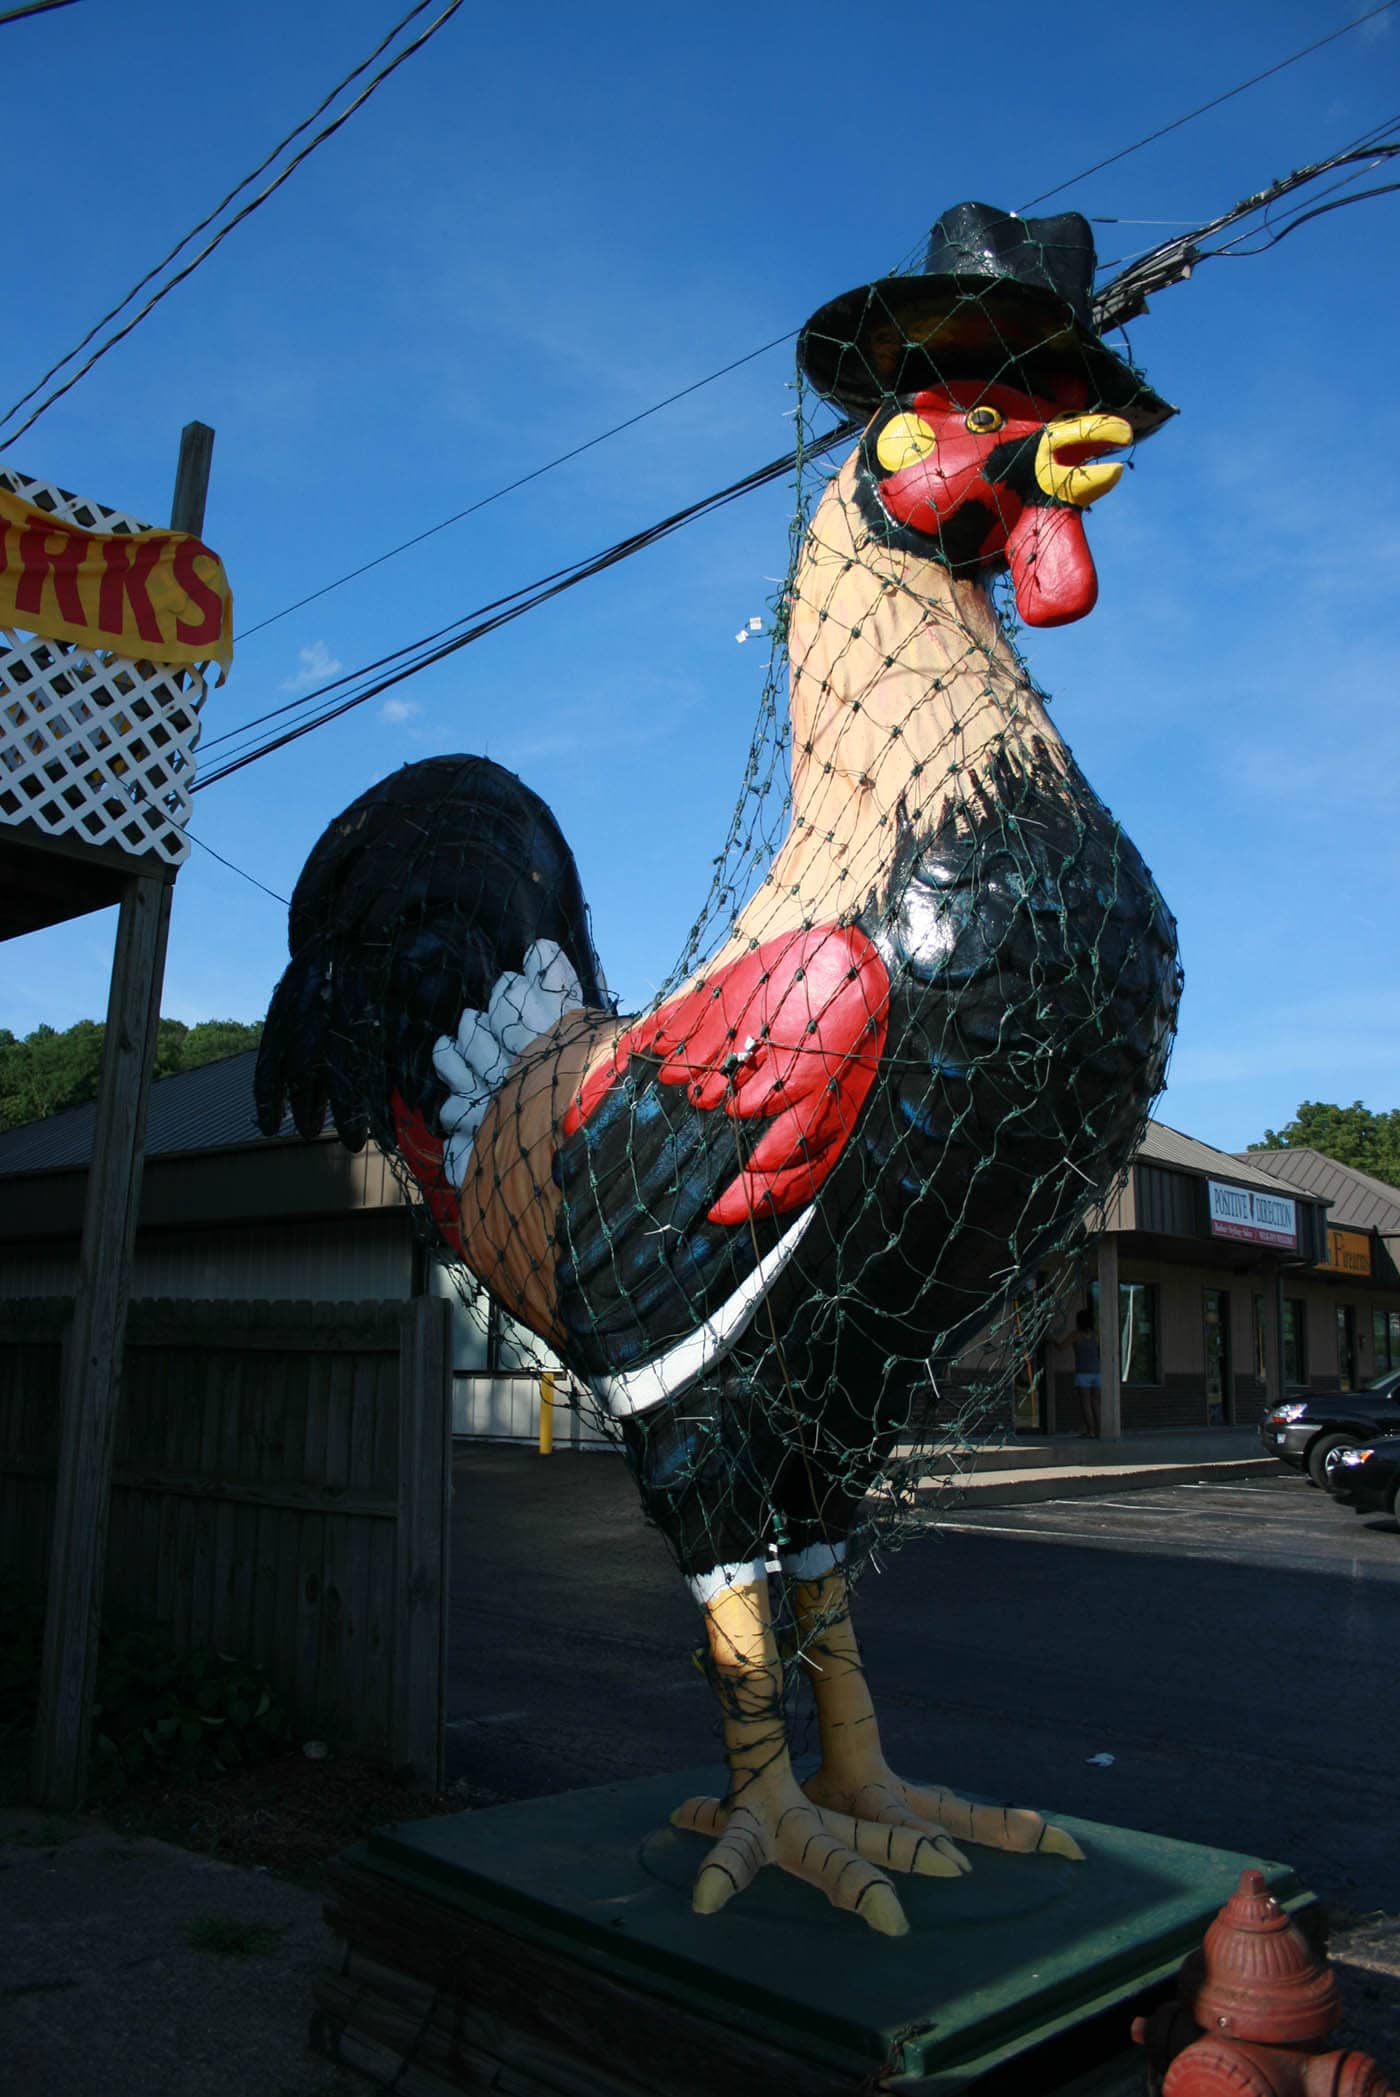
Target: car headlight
(1283,1414)
(1351,1457)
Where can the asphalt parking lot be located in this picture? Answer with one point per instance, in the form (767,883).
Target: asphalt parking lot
(1281,1520)
(1215,1663)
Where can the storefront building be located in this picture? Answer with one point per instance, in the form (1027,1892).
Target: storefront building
(1236,1279)
(1352,1331)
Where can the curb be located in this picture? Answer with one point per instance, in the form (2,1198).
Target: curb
(1016,1488)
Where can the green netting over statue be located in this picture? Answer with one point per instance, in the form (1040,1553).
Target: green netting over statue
(804,1219)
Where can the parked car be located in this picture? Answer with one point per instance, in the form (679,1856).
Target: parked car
(1369,1479)
(1311,1431)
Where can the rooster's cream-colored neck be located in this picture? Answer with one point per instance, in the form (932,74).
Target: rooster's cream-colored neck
(907,700)
(908,708)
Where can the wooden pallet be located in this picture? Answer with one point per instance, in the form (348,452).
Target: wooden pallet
(547,1950)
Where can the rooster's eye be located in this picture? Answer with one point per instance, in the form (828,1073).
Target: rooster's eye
(904,439)
(982,421)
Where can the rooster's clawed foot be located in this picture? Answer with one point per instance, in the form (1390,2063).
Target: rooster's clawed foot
(836,1852)
(876,1795)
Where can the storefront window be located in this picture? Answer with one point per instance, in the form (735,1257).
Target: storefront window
(1261,1359)
(1137,1332)
(1028,1415)
(1385,1335)
(1295,1340)
(1346,1346)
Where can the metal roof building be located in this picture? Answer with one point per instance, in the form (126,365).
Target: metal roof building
(230,1214)
(1235,1276)
(1358,1200)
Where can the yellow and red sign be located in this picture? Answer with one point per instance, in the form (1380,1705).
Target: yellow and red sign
(157,597)
(1348,1252)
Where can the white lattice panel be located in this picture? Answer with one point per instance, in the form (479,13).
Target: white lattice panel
(93,746)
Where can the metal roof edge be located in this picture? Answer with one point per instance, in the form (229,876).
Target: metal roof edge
(1356,1185)
(1227,1167)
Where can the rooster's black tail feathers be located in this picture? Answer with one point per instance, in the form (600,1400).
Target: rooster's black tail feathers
(415,901)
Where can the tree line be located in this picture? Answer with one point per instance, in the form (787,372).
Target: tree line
(50,1069)
(54,1068)
(1352,1135)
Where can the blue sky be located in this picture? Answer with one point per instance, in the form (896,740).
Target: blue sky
(555,216)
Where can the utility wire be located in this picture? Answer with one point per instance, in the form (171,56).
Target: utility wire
(1214,103)
(907,261)
(218,210)
(1366,152)
(237,869)
(511,486)
(1233,252)
(434,650)
(1172,262)
(254,204)
(35,7)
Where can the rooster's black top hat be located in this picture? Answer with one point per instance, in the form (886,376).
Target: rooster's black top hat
(999,297)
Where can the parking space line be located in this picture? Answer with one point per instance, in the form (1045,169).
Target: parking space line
(1007,1529)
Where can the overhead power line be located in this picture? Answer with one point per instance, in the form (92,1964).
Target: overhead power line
(1215,102)
(434,648)
(34,7)
(1170,263)
(241,870)
(907,261)
(1173,261)
(254,204)
(483,502)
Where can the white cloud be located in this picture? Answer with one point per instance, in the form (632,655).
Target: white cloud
(397,711)
(317,664)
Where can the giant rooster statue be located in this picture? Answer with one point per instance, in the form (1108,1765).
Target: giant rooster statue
(751,1216)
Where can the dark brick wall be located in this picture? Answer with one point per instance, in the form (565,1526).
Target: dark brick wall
(1250,1401)
(1178,1401)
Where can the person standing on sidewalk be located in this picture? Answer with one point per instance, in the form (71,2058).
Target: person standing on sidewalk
(1087,1373)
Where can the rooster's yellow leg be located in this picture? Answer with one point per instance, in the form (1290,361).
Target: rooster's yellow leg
(766,1819)
(854,1777)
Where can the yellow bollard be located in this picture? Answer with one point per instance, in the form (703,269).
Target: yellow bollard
(547,1413)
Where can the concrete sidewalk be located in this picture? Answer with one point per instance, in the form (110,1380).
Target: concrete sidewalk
(1032,1467)
(141,1970)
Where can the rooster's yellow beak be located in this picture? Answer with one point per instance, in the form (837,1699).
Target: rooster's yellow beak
(1066,458)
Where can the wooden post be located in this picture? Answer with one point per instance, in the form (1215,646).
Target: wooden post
(93,1349)
(423,1538)
(192,478)
(1110,1358)
(92,1354)
(547,1413)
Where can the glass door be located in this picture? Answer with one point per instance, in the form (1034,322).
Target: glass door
(1218,1384)
(1028,1398)
(1346,1346)
(1295,1343)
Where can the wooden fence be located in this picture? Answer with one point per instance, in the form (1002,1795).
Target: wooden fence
(280,1491)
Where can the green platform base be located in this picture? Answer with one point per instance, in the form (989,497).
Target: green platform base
(590,1890)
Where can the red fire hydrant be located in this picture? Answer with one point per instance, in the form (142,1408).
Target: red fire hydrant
(1256,2005)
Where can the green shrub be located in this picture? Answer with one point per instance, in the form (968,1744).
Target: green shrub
(185,1714)
(156,1711)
